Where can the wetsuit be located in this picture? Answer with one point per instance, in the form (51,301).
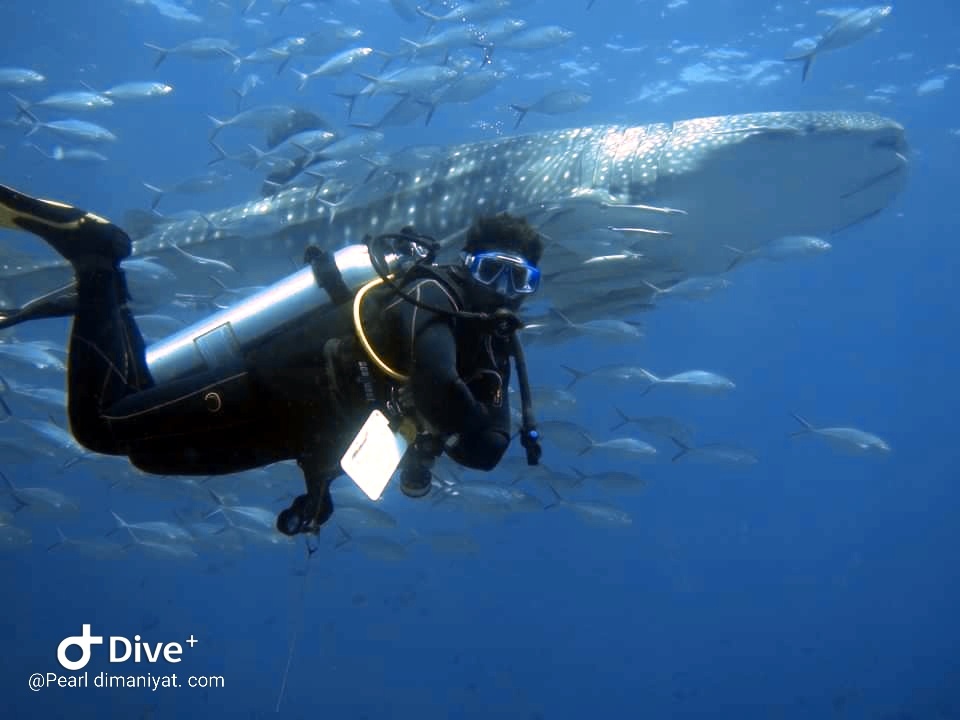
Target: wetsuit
(459,373)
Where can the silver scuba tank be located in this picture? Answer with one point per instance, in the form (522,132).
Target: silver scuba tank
(226,336)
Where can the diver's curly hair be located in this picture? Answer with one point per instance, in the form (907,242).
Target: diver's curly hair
(505,232)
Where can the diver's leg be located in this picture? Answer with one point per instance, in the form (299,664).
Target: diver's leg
(106,353)
(320,466)
(107,360)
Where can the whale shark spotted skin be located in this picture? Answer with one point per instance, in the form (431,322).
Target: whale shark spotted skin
(618,205)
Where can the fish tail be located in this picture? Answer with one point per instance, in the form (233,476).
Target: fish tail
(121,524)
(432,108)
(60,541)
(157,194)
(351,99)
(581,475)
(9,484)
(347,537)
(806,59)
(283,63)
(163,52)
(23,109)
(221,154)
(521,114)
(559,499)
(218,125)
(684,449)
(429,16)
(578,375)
(41,151)
(624,419)
(589,447)
(807,427)
(234,58)
(561,317)
(738,256)
(415,45)
(304,78)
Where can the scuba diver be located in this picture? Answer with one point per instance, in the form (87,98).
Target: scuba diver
(292,372)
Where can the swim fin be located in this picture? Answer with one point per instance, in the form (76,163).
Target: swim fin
(62,302)
(85,240)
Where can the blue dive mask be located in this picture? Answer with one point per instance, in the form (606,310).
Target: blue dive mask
(508,274)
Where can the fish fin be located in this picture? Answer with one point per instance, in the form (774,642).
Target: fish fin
(807,427)
(807,60)
(652,286)
(684,449)
(220,152)
(560,316)
(431,109)
(556,495)
(624,419)
(589,446)
(304,78)
(581,475)
(429,16)
(237,61)
(121,524)
(218,125)
(351,99)
(61,539)
(158,193)
(738,257)
(578,375)
(23,109)
(651,378)
(161,57)
(521,114)
(347,537)
(9,484)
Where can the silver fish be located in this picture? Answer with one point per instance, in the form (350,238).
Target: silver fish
(204,48)
(679,193)
(553,103)
(138,90)
(845,438)
(20,77)
(846,31)
(72,129)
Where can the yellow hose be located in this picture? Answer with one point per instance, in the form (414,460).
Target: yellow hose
(362,337)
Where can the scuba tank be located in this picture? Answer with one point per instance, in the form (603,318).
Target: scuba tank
(224,338)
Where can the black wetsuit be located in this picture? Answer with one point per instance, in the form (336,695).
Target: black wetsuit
(295,398)
(459,373)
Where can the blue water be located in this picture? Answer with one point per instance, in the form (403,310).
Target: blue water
(811,585)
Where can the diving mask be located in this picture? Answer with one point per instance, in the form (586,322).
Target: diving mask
(508,274)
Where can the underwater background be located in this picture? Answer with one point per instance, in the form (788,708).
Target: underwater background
(811,584)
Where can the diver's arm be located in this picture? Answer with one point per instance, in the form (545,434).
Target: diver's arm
(439,393)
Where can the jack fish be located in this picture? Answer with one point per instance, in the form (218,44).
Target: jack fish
(672,195)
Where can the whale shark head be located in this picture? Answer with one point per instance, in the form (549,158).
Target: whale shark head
(677,197)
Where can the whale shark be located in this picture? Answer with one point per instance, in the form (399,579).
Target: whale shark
(621,208)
